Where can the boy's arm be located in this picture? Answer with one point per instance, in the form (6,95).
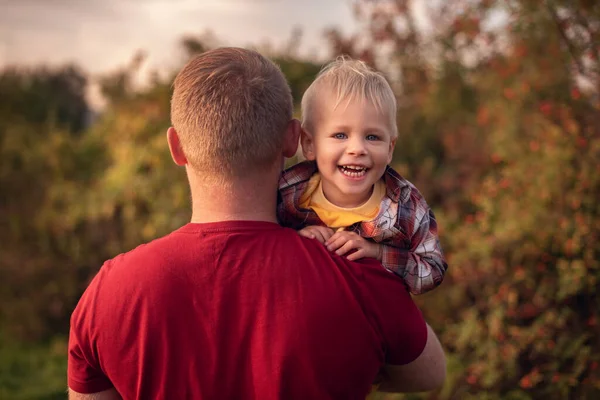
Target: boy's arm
(422,265)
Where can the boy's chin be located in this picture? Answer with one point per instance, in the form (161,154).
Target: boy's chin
(351,195)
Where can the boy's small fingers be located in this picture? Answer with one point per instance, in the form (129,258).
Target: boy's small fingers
(324,232)
(328,234)
(344,249)
(334,244)
(319,236)
(331,239)
(338,235)
(357,255)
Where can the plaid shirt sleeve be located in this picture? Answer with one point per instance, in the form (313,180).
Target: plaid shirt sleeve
(407,229)
(292,185)
(417,259)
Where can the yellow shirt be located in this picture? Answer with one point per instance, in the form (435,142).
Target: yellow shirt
(337,217)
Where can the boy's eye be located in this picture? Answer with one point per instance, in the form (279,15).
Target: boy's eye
(339,135)
(372,137)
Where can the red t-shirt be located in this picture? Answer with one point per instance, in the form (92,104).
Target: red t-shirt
(240,310)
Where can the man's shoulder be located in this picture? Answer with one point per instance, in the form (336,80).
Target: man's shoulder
(146,263)
(152,249)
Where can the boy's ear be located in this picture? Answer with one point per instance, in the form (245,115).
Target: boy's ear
(292,136)
(175,147)
(391,149)
(308,144)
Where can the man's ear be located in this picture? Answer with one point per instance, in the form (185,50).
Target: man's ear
(391,149)
(175,147)
(292,136)
(308,144)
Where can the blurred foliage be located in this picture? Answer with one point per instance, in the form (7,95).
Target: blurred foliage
(33,371)
(500,128)
(499,125)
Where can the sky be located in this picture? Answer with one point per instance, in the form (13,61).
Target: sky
(102,35)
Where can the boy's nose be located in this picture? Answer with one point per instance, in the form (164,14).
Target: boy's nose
(356,147)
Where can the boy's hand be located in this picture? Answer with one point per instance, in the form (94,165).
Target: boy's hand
(343,241)
(321,233)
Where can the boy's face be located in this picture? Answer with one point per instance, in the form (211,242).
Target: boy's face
(352,146)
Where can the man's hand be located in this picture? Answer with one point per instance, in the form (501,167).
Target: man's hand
(321,233)
(343,241)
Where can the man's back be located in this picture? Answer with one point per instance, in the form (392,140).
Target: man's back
(240,310)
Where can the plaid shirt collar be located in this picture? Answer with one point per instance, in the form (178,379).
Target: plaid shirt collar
(397,188)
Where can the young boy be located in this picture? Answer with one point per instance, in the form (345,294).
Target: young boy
(345,195)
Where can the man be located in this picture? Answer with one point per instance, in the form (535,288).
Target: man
(231,305)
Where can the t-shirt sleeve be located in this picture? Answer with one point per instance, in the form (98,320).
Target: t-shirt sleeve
(84,374)
(397,317)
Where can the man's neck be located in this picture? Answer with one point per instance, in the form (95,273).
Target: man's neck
(247,199)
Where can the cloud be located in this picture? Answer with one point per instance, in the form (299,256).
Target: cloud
(102,34)
(55,14)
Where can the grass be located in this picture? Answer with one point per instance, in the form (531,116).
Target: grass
(33,371)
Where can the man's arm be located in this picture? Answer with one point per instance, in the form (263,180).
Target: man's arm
(84,373)
(110,394)
(414,359)
(426,372)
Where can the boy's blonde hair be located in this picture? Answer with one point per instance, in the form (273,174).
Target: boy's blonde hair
(350,80)
(230,108)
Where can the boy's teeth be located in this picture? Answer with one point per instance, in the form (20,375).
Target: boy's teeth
(353,171)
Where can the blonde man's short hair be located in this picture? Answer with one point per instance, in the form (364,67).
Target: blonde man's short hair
(230,108)
(349,79)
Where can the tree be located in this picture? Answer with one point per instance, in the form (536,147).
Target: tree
(43,112)
(499,127)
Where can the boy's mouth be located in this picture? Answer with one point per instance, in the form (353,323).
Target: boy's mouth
(353,171)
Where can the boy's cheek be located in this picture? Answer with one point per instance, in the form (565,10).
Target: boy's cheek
(391,150)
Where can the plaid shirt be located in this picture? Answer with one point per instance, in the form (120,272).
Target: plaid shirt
(405,226)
